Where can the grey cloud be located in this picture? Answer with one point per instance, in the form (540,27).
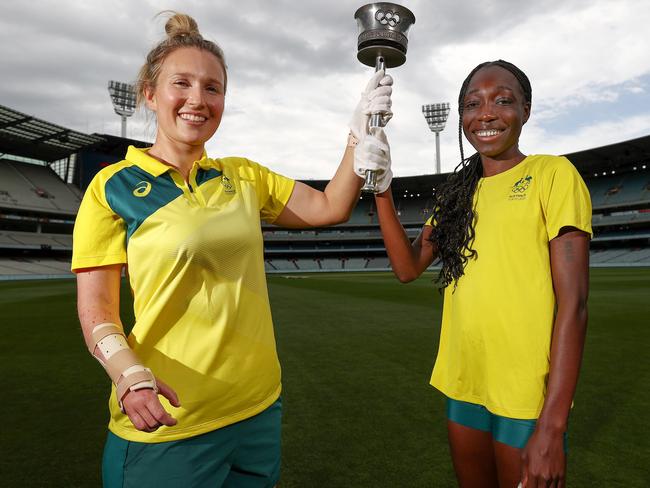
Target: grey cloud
(57,56)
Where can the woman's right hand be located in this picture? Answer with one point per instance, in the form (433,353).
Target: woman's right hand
(373,153)
(145,410)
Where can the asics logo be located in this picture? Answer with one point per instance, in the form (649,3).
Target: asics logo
(387,18)
(142,189)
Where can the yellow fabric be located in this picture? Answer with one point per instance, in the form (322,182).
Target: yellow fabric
(496,327)
(99,234)
(196,267)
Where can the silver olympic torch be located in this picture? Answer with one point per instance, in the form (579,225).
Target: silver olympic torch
(382,43)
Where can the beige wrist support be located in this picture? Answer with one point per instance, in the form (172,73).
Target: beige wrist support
(120,362)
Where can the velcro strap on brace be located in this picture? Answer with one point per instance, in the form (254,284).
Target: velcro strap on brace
(136,380)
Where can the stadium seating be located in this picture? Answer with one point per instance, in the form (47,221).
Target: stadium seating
(618,190)
(378,263)
(621,225)
(630,217)
(283,264)
(364,212)
(27,186)
(307,264)
(34,267)
(34,240)
(620,256)
(355,263)
(331,264)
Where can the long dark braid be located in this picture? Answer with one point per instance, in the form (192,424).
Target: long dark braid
(453,210)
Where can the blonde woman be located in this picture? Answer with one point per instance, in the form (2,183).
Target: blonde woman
(196,400)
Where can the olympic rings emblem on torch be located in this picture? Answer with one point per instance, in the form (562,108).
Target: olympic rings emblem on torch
(387,18)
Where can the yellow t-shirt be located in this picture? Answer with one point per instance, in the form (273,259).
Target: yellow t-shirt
(496,326)
(196,267)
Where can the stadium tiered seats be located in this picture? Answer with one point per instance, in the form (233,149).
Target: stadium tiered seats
(620,256)
(27,186)
(619,190)
(34,240)
(283,264)
(378,263)
(364,213)
(331,263)
(355,263)
(44,179)
(355,245)
(34,267)
(622,218)
(307,264)
(640,256)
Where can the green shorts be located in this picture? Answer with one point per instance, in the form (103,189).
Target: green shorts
(241,455)
(513,432)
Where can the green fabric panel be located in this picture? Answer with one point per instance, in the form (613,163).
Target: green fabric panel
(134,195)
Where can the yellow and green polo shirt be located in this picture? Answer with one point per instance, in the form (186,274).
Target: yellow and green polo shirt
(495,341)
(195,260)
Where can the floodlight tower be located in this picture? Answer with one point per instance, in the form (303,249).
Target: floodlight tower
(436,115)
(123,97)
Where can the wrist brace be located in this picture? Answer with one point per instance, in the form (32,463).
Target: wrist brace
(120,362)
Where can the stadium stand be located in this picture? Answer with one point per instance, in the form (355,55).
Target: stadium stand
(616,191)
(44,169)
(35,268)
(35,240)
(331,264)
(30,187)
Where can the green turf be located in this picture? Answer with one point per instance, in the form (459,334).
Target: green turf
(357,352)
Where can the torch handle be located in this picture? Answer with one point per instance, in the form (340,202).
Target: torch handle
(376,120)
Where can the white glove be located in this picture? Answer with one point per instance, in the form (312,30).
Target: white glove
(373,153)
(375,98)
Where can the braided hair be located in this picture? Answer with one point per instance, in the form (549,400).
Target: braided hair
(453,212)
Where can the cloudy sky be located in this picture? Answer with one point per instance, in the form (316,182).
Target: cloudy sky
(294,78)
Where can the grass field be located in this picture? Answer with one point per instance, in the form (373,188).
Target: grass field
(357,351)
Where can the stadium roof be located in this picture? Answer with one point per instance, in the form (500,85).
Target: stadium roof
(612,156)
(27,136)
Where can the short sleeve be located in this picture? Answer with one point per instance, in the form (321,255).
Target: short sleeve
(429,221)
(99,237)
(273,192)
(565,199)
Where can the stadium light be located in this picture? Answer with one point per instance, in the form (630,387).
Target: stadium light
(123,98)
(436,116)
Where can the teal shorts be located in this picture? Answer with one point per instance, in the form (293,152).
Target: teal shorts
(241,455)
(513,432)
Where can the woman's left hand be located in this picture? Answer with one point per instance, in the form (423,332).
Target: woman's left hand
(544,460)
(375,98)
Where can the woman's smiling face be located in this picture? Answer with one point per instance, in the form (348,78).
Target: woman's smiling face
(494,111)
(188,97)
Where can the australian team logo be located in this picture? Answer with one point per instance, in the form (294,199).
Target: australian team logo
(518,190)
(227,184)
(142,189)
